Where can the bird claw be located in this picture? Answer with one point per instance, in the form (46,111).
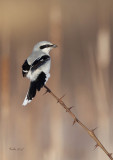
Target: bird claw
(47,91)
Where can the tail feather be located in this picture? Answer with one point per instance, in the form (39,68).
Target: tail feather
(34,86)
(31,94)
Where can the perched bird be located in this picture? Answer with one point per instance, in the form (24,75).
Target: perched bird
(36,68)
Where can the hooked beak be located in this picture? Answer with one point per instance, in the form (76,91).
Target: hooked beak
(54,46)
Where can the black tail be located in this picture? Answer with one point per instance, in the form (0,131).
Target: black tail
(32,91)
(36,85)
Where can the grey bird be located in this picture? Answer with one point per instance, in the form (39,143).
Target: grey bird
(36,68)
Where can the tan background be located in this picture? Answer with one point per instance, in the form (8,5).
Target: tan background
(82,67)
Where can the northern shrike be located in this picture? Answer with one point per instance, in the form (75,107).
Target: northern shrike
(36,68)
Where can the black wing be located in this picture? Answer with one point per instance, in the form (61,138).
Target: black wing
(39,62)
(25,68)
(40,81)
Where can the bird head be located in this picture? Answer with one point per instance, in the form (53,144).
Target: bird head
(44,46)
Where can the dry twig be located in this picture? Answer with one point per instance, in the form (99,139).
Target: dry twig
(75,119)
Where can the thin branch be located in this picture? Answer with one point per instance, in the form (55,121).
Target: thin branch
(75,119)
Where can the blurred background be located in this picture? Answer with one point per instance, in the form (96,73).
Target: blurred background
(81,68)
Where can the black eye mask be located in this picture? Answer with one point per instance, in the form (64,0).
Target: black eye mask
(46,46)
